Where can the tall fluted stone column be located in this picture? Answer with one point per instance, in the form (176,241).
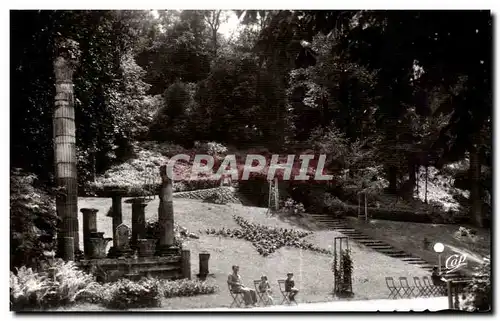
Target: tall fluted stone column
(66,58)
(166,215)
(89,226)
(68,250)
(138,220)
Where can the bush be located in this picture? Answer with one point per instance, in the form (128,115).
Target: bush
(33,220)
(290,207)
(216,197)
(342,271)
(210,148)
(267,240)
(192,185)
(153,232)
(185,287)
(127,294)
(61,284)
(477,295)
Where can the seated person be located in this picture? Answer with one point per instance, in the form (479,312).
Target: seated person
(290,287)
(234,280)
(436,277)
(265,288)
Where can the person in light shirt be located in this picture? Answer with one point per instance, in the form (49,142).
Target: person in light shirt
(234,280)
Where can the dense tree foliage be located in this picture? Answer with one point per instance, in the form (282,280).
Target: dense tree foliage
(386,89)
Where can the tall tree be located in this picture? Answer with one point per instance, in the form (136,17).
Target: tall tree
(214,18)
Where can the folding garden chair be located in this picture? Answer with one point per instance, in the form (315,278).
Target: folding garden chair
(422,291)
(405,287)
(285,294)
(261,295)
(394,290)
(237,297)
(433,290)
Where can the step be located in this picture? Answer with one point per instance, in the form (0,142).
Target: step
(361,238)
(377,242)
(398,255)
(380,247)
(412,259)
(391,251)
(422,262)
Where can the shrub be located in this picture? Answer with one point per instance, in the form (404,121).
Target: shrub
(127,294)
(342,271)
(211,148)
(153,232)
(192,185)
(62,283)
(185,287)
(267,239)
(33,220)
(477,295)
(216,197)
(290,207)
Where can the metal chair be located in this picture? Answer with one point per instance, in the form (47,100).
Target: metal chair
(284,293)
(262,297)
(405,287)
(394,290)
(237,297)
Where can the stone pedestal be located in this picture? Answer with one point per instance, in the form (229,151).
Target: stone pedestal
(146,247)
(203,266)
(97,247)
(186,264)
(138,221)
(166,216)
(89,226)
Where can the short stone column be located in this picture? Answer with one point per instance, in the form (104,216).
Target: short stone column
(166,216)
(117,213)
(89,226)
(97,247)
(186,264)
(146,247)
(204,257)
(138,221)
(68,247)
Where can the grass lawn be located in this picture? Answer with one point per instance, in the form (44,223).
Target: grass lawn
(312,270)
(409,237)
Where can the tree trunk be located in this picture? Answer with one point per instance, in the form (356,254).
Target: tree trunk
(65,143)
(411,176)
(214,39)
(393,180)
(366,209)
(475,197)
(426,179)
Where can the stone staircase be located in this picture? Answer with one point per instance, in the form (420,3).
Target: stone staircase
(341,226)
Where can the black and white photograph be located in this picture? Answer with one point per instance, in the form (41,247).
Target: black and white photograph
(250,160)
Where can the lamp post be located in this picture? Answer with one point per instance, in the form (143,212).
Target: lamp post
(439,248)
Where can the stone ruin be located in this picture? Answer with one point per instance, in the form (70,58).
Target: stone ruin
(131,255)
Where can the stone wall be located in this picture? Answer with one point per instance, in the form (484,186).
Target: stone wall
(109,270)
